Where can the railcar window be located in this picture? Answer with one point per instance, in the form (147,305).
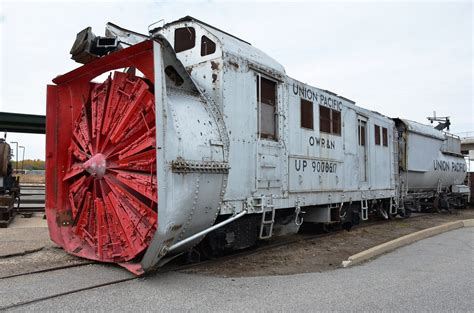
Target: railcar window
(336,122)
(324,119)
(207,46)
(361,133)
(329,120)
(377,134)
(184,39)
(307,114)
(266,98)
(385,137)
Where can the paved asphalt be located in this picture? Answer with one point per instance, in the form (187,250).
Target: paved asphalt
(436,274)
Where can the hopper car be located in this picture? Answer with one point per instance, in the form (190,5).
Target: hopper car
(191,136)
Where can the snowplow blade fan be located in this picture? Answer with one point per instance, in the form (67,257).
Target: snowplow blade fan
(101,192)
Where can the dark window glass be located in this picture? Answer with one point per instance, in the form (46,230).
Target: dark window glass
(184,39)
(266,96)
(307,114)
(385,137)
(324,119)
(336,122)
(268,89)
(362,134)
(329,120)
(207,46)
(377,134)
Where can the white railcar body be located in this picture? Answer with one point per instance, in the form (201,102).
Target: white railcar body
(430,159)
(296,166)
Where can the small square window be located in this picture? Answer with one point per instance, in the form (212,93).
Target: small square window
(329,120)
(377,134)
(184,39)
(207,46)
(307,114)
(385,137)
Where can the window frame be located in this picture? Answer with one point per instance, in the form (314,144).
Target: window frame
(213,43)
(310,114)
(362,135)
(385,136)
(331,121)
(377,137)
(193,35)
(261,135)
(338,132)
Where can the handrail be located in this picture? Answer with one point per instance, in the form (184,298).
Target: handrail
(206,231)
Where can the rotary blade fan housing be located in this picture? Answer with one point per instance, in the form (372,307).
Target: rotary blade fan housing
(125,172)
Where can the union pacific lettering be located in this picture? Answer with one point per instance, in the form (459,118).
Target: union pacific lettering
(319,98)
(444,166)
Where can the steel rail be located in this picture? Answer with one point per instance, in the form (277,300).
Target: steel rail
(45,270)
(23,303)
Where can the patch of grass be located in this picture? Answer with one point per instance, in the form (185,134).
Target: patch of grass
(402,224)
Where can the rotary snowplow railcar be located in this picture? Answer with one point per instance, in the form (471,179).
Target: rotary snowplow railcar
(159,141)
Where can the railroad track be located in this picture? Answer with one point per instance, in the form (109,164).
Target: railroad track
(167,268)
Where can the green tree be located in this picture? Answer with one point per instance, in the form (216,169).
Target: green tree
(29,164)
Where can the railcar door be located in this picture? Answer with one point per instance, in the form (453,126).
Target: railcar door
(270,149)
(362,148)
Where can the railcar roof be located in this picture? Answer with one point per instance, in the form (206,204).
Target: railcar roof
(233,45)
(423,129)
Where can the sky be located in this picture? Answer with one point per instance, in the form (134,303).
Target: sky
(402,59)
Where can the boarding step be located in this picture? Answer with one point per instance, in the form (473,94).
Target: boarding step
(364,209)
(393,206)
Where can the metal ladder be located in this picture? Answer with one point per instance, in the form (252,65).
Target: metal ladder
(265,205)
(394,205)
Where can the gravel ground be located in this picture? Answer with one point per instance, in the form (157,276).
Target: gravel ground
(323,254)
(25,246)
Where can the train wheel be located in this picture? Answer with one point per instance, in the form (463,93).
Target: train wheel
(392,216)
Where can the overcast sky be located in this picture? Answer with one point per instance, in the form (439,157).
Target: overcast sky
(402,59)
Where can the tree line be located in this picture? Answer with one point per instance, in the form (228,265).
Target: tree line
(29,164)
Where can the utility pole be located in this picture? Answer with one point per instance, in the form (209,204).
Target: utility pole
(23,159)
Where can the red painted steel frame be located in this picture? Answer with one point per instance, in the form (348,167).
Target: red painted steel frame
(101,190)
